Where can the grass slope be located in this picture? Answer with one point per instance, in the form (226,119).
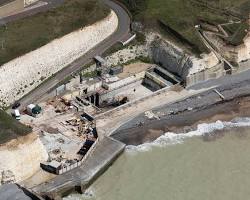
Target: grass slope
(11,128)
(180,16)
(25,35)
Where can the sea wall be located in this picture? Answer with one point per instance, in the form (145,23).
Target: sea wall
(210,73)
(21,75)
(21,157)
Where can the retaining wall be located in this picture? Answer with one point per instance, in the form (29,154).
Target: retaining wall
(211,73)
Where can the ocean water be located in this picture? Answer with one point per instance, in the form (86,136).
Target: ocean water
(212,162)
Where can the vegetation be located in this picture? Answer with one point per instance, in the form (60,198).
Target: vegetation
(90,74)
(25,35)
(11,128)
(137,59)
(114,48)
(236,36)
(178,17)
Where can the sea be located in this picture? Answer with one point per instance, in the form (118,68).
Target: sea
(210,162)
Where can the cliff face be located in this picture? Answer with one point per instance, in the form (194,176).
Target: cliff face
(170,58)
(244,49)
(185,66)
(20,158)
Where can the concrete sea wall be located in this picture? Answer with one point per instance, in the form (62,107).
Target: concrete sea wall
(21,75)
(212,73)
(22,157)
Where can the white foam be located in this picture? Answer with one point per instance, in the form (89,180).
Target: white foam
(88,194)
(170,138)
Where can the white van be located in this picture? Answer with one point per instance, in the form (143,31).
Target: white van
(16,114)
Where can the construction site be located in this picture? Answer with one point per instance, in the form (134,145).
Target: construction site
(66,124)
(74,111)
(84,120)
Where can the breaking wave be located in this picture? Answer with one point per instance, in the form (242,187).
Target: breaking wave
(88,195)
(171,138)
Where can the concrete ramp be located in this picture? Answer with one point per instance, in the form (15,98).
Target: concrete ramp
(81,177)
(15,192)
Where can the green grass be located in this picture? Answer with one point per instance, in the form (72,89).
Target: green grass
(137,59)
(25,35)
(11,128)
(182,15)
(238,35)
(114,48)
(91,74)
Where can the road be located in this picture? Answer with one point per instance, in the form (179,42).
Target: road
(31,10)
(121,32)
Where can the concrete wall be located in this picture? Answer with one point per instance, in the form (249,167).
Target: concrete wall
(119,86)
(21,75)
(155,79)
(11,7)
(123,82)
(243,66)
(102,157)
(109,96)
(207,74)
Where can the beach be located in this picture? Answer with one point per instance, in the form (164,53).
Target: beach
(195,148)
(210,162)
(184,115)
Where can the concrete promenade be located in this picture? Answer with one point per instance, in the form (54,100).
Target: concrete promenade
(81,177)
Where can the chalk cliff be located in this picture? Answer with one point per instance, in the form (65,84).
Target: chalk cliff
(20,158)
(21,75)
(189,68)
